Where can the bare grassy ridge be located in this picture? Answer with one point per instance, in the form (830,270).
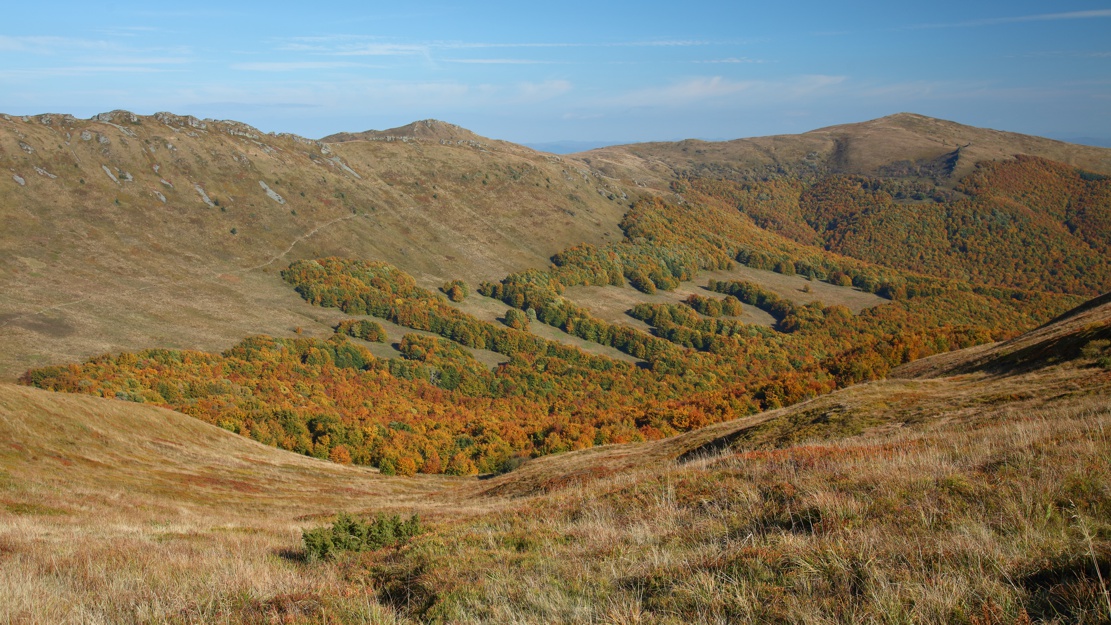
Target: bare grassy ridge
(979,498)
(901,144)
(93,261)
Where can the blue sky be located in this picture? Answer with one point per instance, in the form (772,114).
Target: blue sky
(583,71)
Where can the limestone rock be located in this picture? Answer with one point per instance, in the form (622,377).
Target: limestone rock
(270,192)
(344,167)
(19,180)
(204,196)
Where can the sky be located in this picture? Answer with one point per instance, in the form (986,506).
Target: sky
(569,71)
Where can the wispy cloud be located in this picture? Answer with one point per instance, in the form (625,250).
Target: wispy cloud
(52,45)
(530,92)
(344,44)
(1041,17)
(142,60)
(581,116)
(1072,54)
(654,43)
(81,70)
(382,49)
(715,88)
(498,61)
(258,105)
(731,60)
(293,66)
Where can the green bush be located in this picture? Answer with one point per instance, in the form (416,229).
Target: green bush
(348,533)
(1100,351)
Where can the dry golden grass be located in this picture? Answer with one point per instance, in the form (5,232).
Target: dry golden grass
(116,512)
(862,148)
(978,498)
(90,265)
(981,497)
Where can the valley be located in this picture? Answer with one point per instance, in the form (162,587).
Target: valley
(856,374)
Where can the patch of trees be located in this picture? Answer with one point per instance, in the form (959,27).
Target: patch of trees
(438,410)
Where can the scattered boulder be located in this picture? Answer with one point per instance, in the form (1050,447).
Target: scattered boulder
(86,135)
(26,148)
(43,172)
(110,174)
(19,180)
(271,193)
(344,167)
(204,196)
(161,197)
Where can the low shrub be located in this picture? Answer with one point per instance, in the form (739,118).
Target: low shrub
(348,533)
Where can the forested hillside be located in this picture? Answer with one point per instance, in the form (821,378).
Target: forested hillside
(438,410)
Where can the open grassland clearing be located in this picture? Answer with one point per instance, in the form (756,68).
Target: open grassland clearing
(491,310)
(610,303)
(97,262)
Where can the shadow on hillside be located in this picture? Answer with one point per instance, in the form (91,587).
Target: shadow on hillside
(297,556)
(1046,353)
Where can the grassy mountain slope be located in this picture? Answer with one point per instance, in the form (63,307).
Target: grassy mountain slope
(896,145)
(423,130)
(127,231)
(975,498)
(116,512)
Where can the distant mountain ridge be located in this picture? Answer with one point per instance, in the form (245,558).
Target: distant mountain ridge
(422,130)
(896,145)
(120,226)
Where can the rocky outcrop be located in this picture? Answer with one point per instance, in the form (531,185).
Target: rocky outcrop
(272,194)
(204,196)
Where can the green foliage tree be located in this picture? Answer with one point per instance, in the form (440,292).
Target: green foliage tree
(456,290)
(516,319)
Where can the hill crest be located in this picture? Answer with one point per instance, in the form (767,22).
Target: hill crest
(899,145)
(421,130)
